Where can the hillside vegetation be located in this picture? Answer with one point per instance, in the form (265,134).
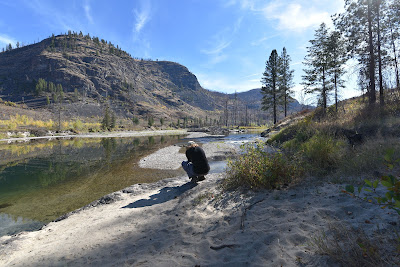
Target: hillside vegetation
(347,146)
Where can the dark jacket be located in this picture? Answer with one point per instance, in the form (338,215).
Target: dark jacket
(198,158)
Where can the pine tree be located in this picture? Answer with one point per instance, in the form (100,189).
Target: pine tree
(393,27)
(285,79)
(105,124)
(338,58)
(318,62)
(270,85)
(359,26)
(150,121)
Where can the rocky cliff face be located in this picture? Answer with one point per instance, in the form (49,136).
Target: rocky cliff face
(97,73)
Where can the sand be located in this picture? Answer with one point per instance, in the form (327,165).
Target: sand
(177,223)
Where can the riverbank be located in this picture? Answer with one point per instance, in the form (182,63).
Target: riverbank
(175,223)
(100,135)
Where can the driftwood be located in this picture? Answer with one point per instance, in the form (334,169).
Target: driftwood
(245,211)
(223,246)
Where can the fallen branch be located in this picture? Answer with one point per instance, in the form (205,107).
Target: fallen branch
(223,246)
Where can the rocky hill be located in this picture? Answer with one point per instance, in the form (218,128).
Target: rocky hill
(94,74)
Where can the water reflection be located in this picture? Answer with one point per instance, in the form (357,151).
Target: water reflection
(41,181)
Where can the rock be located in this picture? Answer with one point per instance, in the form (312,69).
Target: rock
(265,133)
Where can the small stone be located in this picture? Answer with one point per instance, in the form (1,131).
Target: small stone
(349,213)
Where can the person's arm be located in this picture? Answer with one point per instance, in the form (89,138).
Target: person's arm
(189,155)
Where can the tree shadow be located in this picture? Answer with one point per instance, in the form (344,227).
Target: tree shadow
(165,194)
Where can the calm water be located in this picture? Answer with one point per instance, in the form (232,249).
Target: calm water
(42,180)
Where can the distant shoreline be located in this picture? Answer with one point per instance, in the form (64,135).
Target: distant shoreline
(101,135)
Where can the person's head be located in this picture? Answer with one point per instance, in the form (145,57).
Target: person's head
(191,144)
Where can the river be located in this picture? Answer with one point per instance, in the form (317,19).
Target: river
(42,180)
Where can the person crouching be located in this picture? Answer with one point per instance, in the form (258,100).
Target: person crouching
(196,166)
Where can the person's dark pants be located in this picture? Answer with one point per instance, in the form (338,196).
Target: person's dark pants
(188,167)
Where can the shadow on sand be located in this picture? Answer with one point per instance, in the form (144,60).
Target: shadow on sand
(165,194)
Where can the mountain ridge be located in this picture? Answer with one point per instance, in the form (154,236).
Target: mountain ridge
(95,74)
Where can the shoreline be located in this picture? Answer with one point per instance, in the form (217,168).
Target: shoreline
(176,223)
(102,135)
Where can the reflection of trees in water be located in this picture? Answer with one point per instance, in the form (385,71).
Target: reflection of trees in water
(151,140)
(136,141)
(65,160)
(109,145)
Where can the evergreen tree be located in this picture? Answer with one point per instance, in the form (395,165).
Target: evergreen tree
(113,122)
(270,85)
(285,78)
(106,122)
(318,62)
(338,58)
(359,26)
(150,121)
(393,31)
(41,86)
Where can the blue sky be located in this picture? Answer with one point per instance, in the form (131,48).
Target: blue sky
(225,43)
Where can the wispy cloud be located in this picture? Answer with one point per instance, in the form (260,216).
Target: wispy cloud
(142,16)
(86,7)
(220,42)
(295,16)
(263,39)
(292,15)
(5,40)
(57,19)
(218,48)
(244,4)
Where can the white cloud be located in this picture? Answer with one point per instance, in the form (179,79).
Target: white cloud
(220,42)
(5,39)
(294,16)
(142,16)
(87,8)
(218,48)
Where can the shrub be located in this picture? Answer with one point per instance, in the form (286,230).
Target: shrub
(78,125)
(9,103)
(300,131)
(391,196)
(322,152)
(256,168)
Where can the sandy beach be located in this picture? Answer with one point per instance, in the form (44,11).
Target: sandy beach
(176,223)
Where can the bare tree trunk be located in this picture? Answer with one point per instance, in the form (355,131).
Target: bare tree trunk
(336,94)
(381,96)
(372,91)
(395,55)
